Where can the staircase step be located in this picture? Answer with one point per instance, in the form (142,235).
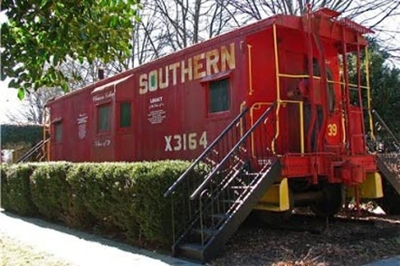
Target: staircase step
(191,251)
(242,187)
(231,201)
(219,216)
(207,234)
(250,174)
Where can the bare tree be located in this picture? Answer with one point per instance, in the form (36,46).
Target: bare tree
(147,43)
(376,10)
(175,24)
(375,14)
(33,110)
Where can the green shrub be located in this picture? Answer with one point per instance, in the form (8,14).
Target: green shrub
(111,198)
(153,211)
(16,189)
(103,193)
(3,177)
(12,134)
(50,191)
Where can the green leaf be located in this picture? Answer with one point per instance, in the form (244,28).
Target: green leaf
(40,35)
(13,84)
(21,93)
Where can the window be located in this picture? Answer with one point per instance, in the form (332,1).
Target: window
(58,132)
(125,114)
(103,117)
(219,96)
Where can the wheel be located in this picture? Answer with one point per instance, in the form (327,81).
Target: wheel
(330,203)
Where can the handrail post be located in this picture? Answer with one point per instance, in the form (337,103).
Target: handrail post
(301,111)
(278,88)
(385,126)
(371,123)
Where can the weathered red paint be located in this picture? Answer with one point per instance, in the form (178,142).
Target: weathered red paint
(169,103)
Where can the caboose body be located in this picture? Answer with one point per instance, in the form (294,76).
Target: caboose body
(281,84)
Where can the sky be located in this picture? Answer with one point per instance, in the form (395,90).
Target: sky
(8,101)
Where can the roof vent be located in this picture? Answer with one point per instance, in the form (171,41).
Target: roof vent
(100,73)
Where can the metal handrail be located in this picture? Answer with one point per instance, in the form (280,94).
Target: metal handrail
(35,148)
(208,179)
(172,188)
(385,126)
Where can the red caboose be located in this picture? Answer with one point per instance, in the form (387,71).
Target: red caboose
(267,107)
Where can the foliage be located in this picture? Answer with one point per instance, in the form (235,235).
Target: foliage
(15,190)
(12,134)
(384,82)
(104,192)
(3,175)
(50,190)
(385,87)
(153,210)
(40,35)
(110,198)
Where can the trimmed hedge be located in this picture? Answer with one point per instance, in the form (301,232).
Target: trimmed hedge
(3,174)
(109,198)
(16,193)
(12,134)
(50,190)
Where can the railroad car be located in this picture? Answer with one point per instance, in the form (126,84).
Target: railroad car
(267,109)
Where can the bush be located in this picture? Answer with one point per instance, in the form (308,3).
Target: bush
(3,176)
(16,191)
(12,134)
(50,191)
(111,198)
(103,194)
(153,211)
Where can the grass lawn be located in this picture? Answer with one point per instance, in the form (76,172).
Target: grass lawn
(13,253)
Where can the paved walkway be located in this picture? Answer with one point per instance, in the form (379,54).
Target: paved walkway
(395,261)
(80,248)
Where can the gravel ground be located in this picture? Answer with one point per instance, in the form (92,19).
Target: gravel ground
(305,240)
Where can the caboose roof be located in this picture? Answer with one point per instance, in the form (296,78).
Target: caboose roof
(111,84)
(331,27)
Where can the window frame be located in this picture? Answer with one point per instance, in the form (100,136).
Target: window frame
(98,117)
(206,82)
(57,125)
(211,104)
(120,118)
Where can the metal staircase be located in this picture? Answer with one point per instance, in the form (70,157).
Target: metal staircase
(219,190)
(36,153)
(387,149)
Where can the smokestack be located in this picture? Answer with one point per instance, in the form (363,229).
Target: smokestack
(100,73)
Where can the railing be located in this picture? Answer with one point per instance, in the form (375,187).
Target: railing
(185,211)
(203,188)
(34,150)
(384,140)
(222,143)
(238,149)
(225,189)
(387,148)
